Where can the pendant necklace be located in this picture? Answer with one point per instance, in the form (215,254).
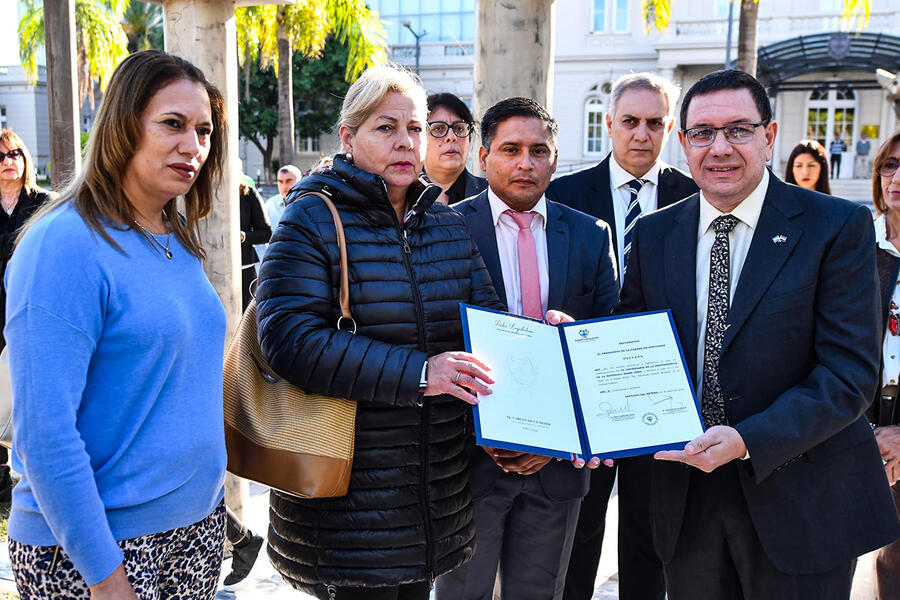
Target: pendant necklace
(164,247)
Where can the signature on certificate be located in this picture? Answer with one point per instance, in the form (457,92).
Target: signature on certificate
(606,410)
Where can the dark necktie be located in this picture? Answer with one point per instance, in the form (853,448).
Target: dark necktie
(713,404)
(631,217)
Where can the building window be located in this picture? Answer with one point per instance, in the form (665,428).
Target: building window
(832,112)
(621,16)
(309,144)
(598,18)
(443,20)
(609,15)
(594,127)
(722,7)
(2,117)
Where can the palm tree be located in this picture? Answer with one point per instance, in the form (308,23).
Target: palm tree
(657,13)
(101,42)
(272,34)
(143,24)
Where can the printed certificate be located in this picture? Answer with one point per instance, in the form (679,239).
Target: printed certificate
(608,387)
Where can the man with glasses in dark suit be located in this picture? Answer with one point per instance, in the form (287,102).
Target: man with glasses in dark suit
(631,181)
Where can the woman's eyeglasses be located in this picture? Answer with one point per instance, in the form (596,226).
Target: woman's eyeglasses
(13,154)
(439,129)
(889,167)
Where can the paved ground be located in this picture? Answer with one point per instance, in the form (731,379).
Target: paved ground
(264,583)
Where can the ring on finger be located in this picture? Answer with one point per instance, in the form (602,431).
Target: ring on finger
(456,379)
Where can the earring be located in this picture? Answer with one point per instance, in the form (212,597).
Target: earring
(349,157)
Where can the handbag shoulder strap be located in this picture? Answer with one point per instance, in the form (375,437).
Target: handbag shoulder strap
(344,297)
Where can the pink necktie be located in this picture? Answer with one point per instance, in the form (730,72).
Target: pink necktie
(529,283)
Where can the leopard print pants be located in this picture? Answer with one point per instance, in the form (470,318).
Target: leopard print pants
(179,564)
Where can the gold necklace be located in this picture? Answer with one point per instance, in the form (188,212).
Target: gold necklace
(153,237)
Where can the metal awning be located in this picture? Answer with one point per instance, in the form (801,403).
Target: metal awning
(833,52)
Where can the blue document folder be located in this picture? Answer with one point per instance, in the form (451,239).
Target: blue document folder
(610,387)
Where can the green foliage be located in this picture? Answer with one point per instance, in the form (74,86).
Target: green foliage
(143,24)
(319,89)
(100,43)
(657,13)
(258,115)
(307,25)
(855,14)
(31,38)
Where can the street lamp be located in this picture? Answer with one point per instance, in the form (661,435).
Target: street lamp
(418,36)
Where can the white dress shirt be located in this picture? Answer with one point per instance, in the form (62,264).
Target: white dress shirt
(507,247)
(621,196)
(747,213)
(890,348)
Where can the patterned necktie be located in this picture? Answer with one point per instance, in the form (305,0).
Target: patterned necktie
(529,282)
(631,216)
(713,404)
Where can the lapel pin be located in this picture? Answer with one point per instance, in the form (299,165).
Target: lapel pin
(779,239)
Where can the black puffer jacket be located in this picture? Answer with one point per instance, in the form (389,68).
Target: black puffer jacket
(407,516)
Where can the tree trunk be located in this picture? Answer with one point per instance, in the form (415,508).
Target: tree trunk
(247,71)
(747,50)
(62,81)
(204,33)
(285,97)
(519,32)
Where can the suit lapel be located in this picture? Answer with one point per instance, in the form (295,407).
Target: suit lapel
(665,195)
(481,225)
(601,201)
(765,257)
(557,255)
(680,262)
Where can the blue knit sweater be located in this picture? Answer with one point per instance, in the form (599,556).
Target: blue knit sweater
(116,368)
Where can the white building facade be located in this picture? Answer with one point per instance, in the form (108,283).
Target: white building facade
(23,105)
(599,40)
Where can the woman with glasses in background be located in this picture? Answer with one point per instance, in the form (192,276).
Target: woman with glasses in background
(20,196)
(884,413)
(450,128)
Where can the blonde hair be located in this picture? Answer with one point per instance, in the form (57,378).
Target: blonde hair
(367,92)
(98,194)
(12,141)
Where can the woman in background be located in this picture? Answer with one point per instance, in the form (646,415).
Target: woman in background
(116,342)
(884,414)
(20,196)
(807,166)
(255,230)
(450,129)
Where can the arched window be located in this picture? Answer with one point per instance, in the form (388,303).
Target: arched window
(594,127)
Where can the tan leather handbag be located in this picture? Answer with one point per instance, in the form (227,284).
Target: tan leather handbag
(276,433)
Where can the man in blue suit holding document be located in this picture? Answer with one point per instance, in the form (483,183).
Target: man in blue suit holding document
(541,255)
(774,297)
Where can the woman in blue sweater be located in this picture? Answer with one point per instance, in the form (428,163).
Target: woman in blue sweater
(115,341)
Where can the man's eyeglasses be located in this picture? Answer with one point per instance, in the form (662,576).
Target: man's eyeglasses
(889,167)
(439,129)
(13,154)
(738,133)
